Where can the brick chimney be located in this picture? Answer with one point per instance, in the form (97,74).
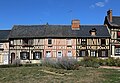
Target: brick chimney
(109,15)
(75,24)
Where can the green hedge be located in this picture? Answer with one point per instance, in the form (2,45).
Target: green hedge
(96,62)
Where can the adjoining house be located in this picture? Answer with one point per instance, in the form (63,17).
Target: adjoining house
(4,46)
(30,43)
(94,41)
(113,24)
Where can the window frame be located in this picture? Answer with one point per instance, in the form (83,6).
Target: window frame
(39,55)
(83,41)
(69,54)
(49,40)
(59,55)
(100,53)
(103,42)
(48,56)
(1,46)
(118,34)
(118,50)
(85,52)
(94,52)
(27,56)
(69,41)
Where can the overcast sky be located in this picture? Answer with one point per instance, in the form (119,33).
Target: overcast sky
(31,12)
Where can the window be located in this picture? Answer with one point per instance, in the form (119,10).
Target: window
(103,53)
(118,34)
(49,41)
(59,54)
(24,55)
(93,53)
(48,54)
(117,51)
(37,55)
(12,42)
(1,45)
(69,42)
(83,41)
(69,54)
(27,41)
(30,41)
(82,53)
(103,42)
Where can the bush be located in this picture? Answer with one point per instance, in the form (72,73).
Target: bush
(30,65)
(63,63)
(16,62)
(89,62)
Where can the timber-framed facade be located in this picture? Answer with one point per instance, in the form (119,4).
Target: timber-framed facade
(32,43)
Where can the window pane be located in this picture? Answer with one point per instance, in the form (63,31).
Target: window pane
(59,54)
(103,53)
(24,55)
(48,54)
(69,54)
(118,34)
(103,42)
(49,41)
(69,42)
(117,51)
(37,55)
(83,53)
(25,41)
(93,53)
(83,41)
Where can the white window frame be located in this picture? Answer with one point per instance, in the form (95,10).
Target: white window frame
(117,51)
(48,54)
(69,53)
(1,45)
(59,55)
(93,53)
(69,41)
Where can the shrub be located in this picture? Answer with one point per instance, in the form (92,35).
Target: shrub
(63,63)
(16,62)
(89,62)
(68,64)
(30,65)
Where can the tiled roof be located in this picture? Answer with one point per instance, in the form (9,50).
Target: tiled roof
(4,35)
(42,31)
(116,20)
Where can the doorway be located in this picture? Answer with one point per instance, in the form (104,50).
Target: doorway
(12,57)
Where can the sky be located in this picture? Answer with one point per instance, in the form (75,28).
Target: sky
(37,12)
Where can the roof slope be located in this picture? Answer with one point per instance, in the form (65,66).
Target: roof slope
(4,35)
(115,21)
(38,31)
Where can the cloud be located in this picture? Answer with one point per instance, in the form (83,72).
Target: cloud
(99,4)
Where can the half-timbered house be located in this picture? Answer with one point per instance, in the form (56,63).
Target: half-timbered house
(4,46)
(113,25)
(30,43)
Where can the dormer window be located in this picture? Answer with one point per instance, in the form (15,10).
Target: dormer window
(93,32)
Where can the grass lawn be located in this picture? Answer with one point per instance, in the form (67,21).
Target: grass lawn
(52,75)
